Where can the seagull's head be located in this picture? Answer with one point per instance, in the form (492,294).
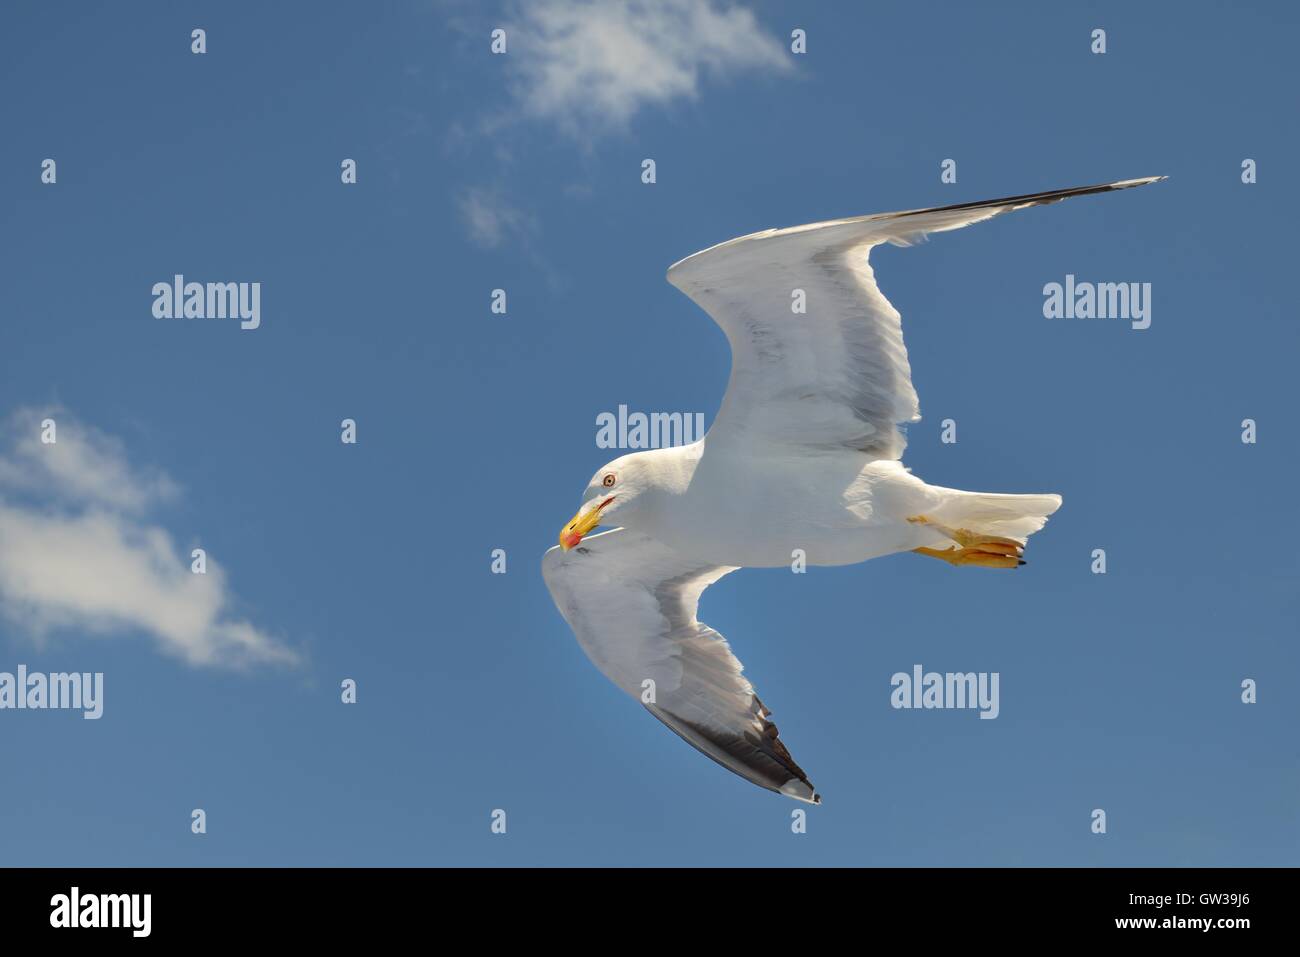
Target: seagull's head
(614,488)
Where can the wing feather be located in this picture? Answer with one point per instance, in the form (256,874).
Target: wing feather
(836,376)
(631,602)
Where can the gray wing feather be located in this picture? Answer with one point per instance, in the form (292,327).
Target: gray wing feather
(631,602)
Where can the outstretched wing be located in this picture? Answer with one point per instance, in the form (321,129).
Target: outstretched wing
(836,376)
(631,601)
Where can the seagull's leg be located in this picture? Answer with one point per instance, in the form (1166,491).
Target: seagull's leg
(982,551)
(928,521)
(946,554)
(973,556)
(988,543)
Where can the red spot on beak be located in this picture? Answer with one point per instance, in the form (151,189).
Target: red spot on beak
(582,523)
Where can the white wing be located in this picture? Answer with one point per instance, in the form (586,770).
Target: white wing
(837,376)
(631,601)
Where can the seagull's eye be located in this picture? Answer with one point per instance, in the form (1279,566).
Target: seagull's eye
(609,480)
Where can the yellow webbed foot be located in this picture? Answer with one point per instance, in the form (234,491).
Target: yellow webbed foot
(988,543)
(992,555)
(982,551)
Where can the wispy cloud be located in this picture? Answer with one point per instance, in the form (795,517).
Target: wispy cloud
(85,466)
(78,551)
(491,219)
(590,64)
(586,67)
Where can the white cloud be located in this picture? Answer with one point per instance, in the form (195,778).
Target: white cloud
(78,553)
(491,218)
(591,63)
(84,465)
(588,66)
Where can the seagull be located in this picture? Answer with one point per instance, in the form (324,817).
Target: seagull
(802,458)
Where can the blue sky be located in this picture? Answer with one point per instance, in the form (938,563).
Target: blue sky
(476,431)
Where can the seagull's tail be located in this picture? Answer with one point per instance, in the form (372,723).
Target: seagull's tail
(989,513)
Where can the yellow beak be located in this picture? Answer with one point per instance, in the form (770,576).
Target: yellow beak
(581,524)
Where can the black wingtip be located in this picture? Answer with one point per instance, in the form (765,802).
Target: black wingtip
(1038,199)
